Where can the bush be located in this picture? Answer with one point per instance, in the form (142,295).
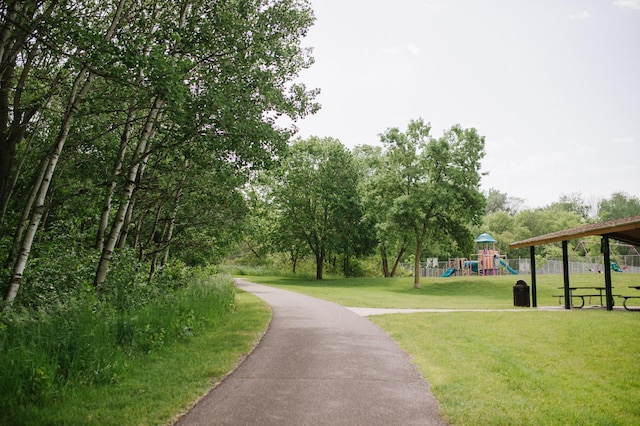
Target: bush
(88,341)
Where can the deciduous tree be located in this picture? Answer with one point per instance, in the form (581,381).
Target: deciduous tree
(435,184)
(316,199)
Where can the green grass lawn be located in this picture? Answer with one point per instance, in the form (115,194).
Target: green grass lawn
(535,367)
(454,292)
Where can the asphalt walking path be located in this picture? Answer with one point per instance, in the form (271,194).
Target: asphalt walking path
(318,364)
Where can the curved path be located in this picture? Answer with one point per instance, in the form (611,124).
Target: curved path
(318,364)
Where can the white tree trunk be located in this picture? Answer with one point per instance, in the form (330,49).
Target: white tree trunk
(140,157)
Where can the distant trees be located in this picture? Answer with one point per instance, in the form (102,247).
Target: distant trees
(426,189)
(499,201)
(619,205)
(316,202)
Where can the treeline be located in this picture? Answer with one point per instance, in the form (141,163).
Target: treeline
(127,129)
(415,194)
(507,222)
(368,210)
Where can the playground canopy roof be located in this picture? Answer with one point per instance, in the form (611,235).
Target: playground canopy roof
(485,238)
(626,230)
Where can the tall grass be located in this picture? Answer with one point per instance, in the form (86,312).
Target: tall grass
(85,341)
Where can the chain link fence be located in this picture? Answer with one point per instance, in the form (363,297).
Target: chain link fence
(580,265)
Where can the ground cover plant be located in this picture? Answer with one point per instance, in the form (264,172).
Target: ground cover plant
(89,362)
(532,367)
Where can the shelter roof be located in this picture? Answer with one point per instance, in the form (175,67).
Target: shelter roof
(626,230)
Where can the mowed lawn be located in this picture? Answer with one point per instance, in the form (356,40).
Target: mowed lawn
(530,367)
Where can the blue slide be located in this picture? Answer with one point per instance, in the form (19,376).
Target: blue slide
(448,272)
(509,268)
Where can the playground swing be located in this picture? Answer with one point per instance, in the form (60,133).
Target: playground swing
(616,264)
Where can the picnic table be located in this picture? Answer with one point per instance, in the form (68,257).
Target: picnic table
(601,295)
(626,298)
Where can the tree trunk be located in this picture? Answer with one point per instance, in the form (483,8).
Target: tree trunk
(80,88)
(416,266)
(26,212)
(172,224)
(117,167)
(397,261)
(385,262)
(140,157)
(319,265)
(124,232)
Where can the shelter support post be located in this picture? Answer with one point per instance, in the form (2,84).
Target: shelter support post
(534,295)
(607,271)
(565,271)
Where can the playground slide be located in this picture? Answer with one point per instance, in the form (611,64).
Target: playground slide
(509,268)
(448,272)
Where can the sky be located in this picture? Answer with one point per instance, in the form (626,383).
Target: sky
(552,85)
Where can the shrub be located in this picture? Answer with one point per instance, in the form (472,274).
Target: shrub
(83,340)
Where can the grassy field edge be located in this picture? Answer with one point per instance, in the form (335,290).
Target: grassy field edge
(165,385)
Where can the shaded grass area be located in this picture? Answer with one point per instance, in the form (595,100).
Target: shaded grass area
(534,368)
(454,292)
(152,390)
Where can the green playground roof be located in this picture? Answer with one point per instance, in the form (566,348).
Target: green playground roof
(626,230)
(485,238)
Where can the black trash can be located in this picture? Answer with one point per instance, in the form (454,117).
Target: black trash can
(521,294)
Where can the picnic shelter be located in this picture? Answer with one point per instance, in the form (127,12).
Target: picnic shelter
(626,230)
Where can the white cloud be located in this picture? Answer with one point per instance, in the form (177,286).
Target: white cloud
(580,15)
(627,4)
(623,141)
(415,50)
(433,6)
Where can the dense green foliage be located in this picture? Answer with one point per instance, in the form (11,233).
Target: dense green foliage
(88,342)
(139,139)
(316,203)
(133,125)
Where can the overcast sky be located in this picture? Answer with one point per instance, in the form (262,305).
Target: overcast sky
(553,85)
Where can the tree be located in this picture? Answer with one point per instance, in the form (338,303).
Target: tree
(435,183)
(316,199)
(125,89)
(378,189)
(572,203)
(500,201)
(618,206)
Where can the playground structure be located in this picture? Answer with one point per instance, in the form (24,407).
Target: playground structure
(486,261)
(619,262)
